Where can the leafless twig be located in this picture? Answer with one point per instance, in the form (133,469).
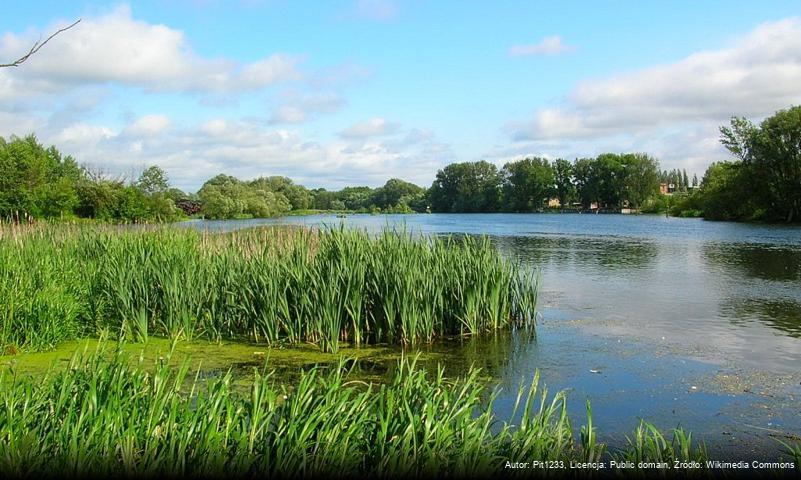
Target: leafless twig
(36,46)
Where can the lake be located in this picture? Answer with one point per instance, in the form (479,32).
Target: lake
(681,322)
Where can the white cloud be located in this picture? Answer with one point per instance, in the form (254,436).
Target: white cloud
(149,125)
(549,46)
(379,10)
(248,149)
(755,77)
(375,127)
(300,108)
(274,69)
(687,99)
(83,134)
(118,48)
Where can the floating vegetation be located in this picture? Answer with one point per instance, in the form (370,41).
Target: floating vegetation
(268,285)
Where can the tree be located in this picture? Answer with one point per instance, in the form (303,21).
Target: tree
(586,181)
(641,178)
(771,156)
(563,178)
(527,184)
(322,199)
(153,180)
(609,171)
(36,181)
(395,193)
(227,197)
(724,192)
(298,196)
(466,187)
(353,198)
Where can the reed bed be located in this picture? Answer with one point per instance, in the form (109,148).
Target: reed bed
(268,285)
(106,415)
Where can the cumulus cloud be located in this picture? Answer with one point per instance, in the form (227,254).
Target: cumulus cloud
(687,99)
(301,108)
(248,149)
(149,125)
(549,46)
(758,75)
(375,127)
(118,48)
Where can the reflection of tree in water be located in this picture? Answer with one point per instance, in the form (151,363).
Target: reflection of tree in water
(781,314)
(586,252)
(767,263)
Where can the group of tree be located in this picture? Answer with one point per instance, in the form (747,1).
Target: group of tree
(763,182)
(679,180)
(609,181)
(396,196)
(39,182)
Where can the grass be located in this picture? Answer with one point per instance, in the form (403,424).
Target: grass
(272,285)
(108,416)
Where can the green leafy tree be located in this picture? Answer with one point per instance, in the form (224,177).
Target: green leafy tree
(466,187)
(298,196)
(153,180)
(724,193)
(395,193)
(132,205)
(587,185)
(610,172)
(527,184)
(641,178)
(36,181)
(322,199)
(771,155)
(354,198)
(563,179)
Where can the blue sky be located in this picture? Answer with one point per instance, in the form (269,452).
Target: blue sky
(356,92)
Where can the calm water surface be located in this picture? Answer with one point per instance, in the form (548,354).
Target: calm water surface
(682,322)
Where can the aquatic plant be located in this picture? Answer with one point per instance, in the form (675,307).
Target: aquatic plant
(793,450)
(108,414)
(649,444)
(269,285)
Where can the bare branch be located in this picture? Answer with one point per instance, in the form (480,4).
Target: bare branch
(36,46)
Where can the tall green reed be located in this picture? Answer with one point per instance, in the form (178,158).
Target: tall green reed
(271,285)
(108,414)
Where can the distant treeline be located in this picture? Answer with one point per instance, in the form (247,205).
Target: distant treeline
(764,183)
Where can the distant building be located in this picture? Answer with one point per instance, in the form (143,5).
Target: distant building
(554,203)
(667,188)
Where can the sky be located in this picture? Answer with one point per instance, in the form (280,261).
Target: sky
(355,92)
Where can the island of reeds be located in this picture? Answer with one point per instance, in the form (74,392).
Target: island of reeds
(272,285)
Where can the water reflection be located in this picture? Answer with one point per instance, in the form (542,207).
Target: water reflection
(782,315)
(758,261)
(597,254)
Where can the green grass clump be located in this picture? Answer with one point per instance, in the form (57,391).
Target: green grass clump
(106,415)
(268,285)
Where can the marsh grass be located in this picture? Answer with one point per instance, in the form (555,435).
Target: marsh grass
(793,450)
(110,415)
(269,285)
